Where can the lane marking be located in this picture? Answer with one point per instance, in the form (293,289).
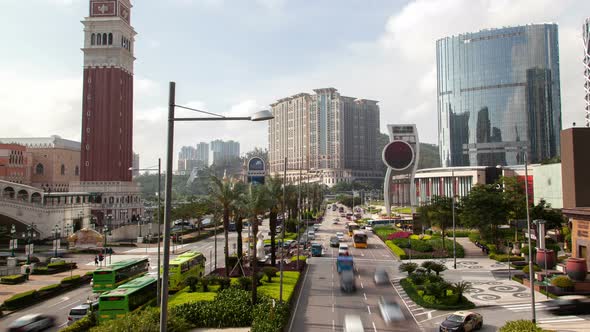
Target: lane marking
(64,299)
(365,295)
(362,285)
(374,327)
(64,324)
(332,307)
(68,305)
(369,308)
(426,313)
(333,327)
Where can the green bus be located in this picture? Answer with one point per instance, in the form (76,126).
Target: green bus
(115,303)
(110,277)
(187,264)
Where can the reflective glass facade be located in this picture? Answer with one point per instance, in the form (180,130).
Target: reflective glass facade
(498,92)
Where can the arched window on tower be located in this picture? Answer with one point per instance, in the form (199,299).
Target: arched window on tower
(39,169)
(98,39)
(92,39)
(77,171)
(104,38)
(110,39)
(63,169)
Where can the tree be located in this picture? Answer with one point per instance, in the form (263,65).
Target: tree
(239,213)
(270,272)
(408,267)
(438,268)
(224,195)
(461,287)
(274,186)
(484,208)
(439,213)
(256,202)
(553,218)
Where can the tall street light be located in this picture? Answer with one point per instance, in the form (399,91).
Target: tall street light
(56,234)
(528,223)
(258,116)
(29,235)
(153,168)
(454,224)
(13,240)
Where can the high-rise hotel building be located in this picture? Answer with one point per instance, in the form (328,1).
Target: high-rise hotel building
(498,96)
(324,136)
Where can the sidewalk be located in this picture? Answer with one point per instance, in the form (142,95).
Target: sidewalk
(471,250)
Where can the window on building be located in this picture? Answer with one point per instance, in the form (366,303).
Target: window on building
(110,39)
(77,171)
(39,169)
(92,39)
(98,39)
(63,169)
(104,38)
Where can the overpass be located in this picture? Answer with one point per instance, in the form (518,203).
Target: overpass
(23,206)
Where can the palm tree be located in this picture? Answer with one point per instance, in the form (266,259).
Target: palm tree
(461,287)
(274,186)
(223,194)
(238,214)
(256,203)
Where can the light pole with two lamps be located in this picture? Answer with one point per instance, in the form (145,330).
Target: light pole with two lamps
(13,240)
(29,235)
(258,116)
(56,240)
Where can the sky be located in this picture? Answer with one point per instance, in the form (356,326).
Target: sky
(237,57)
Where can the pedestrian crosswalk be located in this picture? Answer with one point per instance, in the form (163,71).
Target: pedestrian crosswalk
(542,307)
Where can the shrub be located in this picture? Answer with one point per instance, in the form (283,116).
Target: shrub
(444,304)
(223,282)
(562,282)
(245,283)
(56,264)
(519,326)
(417,278)
(48,288)
(270,272)
(231,308)
(399,235)
(408,267)
(232,261)
(266,318)
(192,282)
(399,252)
(71,280)
(434,278)
(13,279)
(526,269)
(460,233)
(427,265)
(420,237)
(205,283)
(147,320)
(20,299)
(505,258)
(421,245)
(438,268)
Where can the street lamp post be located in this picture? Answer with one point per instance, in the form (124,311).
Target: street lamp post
(56,233)
(258,116)
(29,235)
(454,224)
(13,240)
(528,222)
(159,217)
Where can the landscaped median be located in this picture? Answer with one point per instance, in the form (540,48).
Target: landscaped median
(430,290)
(405,244)
(25,299)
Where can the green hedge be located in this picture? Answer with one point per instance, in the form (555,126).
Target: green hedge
(410,289)
(562,282)
(147,320)
(13,279)
(71,280)
(266,318)
(520,326)
(49,288)
(399,252)
(504,258)
(20,299)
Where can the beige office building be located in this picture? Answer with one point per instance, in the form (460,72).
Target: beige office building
(326,137)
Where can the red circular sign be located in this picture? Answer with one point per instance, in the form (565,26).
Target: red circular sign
(398,155)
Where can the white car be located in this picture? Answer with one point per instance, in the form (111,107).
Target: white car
(340,236)
(353,323)
(343,249)
(368,228)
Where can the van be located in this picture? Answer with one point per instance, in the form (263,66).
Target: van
(311,235)
(80,311)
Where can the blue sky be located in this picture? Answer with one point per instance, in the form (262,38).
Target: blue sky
(236,57)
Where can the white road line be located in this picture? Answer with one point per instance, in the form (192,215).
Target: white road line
(333,326)
(362,285)
(425,313)
(365,295)
(64,299)
(374,327)
(332,307)
(369,308)
(561,319)
(68,305)
(64,324)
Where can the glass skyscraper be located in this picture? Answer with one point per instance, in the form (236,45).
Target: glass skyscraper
(498,94)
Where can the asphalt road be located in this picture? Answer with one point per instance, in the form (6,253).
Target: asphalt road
(321,306)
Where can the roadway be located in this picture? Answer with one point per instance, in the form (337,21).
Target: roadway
(321,306)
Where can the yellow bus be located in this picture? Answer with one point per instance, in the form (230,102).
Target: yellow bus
(359,239)
(352,227)
(187,264)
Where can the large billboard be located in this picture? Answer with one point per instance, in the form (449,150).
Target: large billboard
(256,170)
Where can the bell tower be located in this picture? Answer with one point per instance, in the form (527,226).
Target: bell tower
(107,119)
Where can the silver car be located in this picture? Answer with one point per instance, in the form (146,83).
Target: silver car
(80,311)
(390,310)
(32,322)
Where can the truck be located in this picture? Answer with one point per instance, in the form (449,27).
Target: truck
(316,250)
(344,263)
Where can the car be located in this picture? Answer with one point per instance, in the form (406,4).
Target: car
(353,323)
(311,235)
(334,241)
(390,310)
(335,222)
(381,277)
(290,243)
(80,311)
(316,227)
(462,321)
(368,228)
(347,281)
(343,250)
(32,322)
(569,305)
(340,236)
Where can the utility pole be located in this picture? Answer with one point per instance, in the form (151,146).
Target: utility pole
(283,231)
